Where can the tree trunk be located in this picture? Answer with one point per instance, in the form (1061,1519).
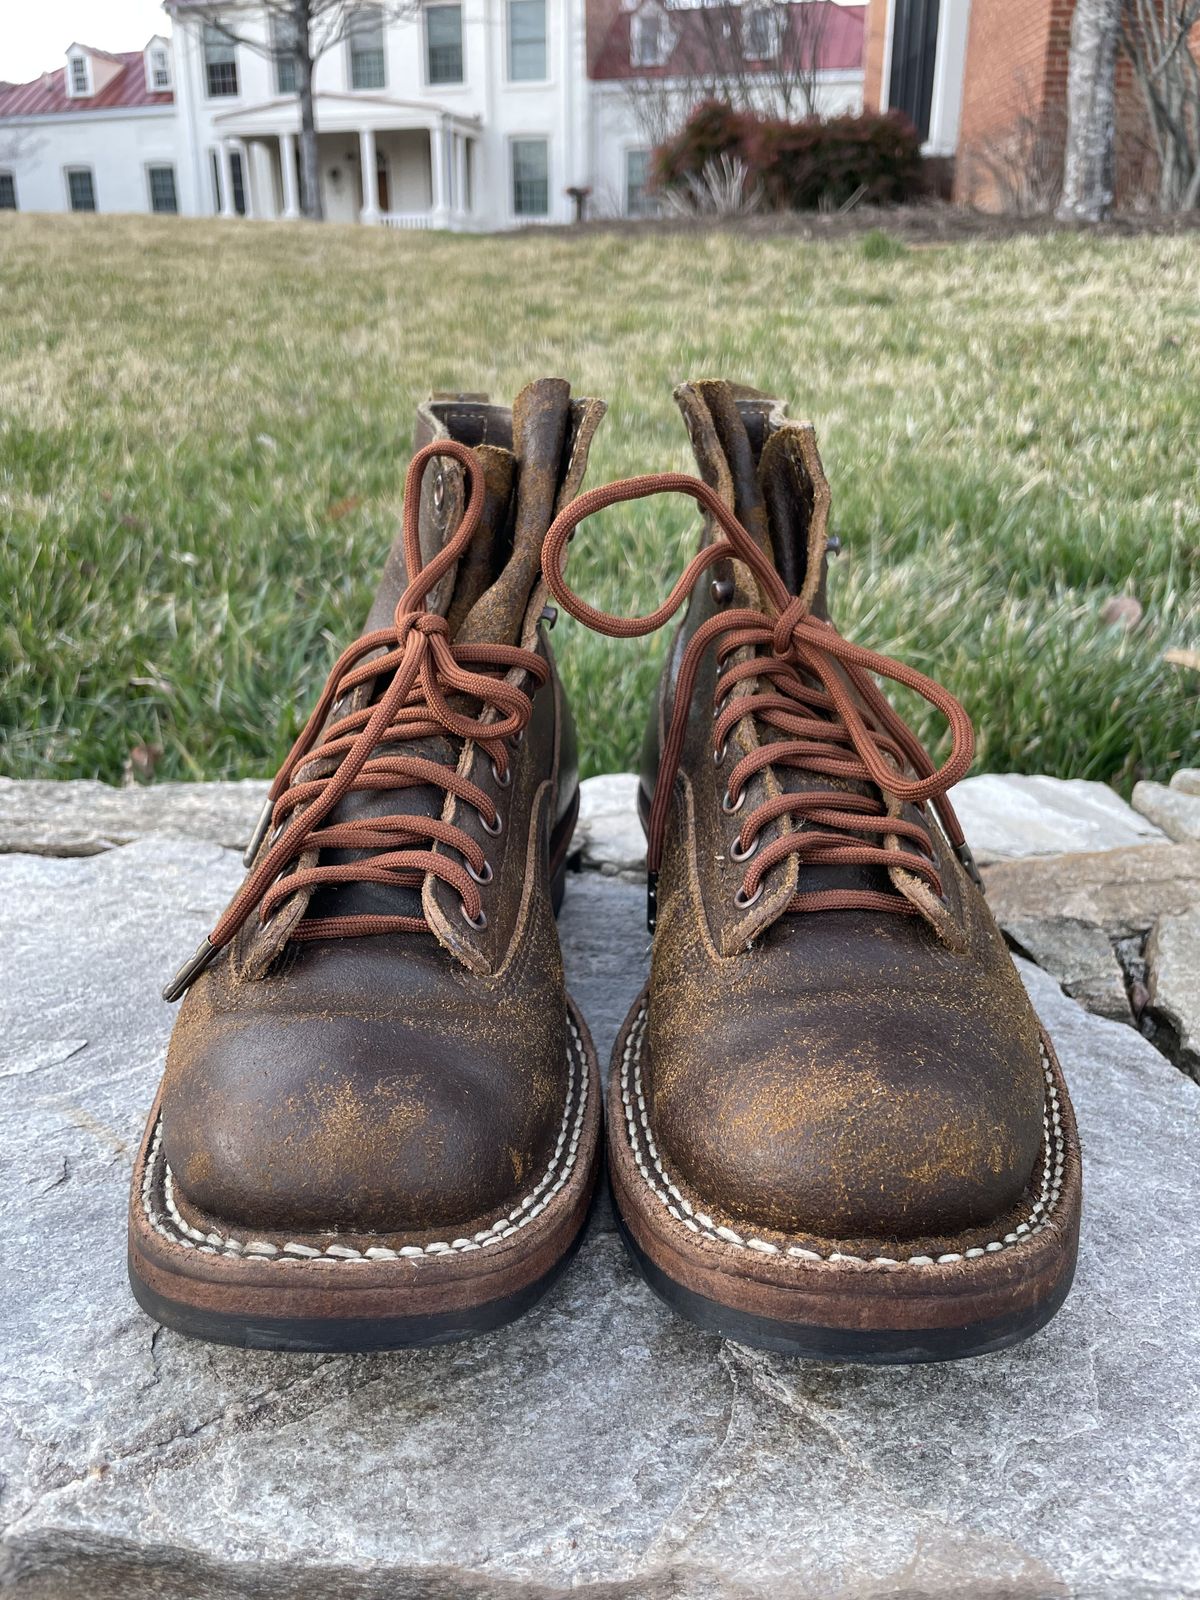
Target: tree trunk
(310,169)
(1089,167)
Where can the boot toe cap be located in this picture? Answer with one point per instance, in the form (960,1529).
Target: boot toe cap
(884,1128)
(356,1126)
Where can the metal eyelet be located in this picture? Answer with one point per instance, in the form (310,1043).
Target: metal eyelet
(485,876)
(497,827)
(719,755)
(737,854)
(478,923)
(732,807)
(502,779)
(439,490)
(744,901)
(518,739)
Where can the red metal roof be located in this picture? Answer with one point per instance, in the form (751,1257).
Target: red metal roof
(47,96)
(840,42)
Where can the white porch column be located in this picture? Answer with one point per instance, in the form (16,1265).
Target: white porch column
(370,176)
(437,160)
(243,149)
(460,174)
(264,177)
(224,152)
(291,186)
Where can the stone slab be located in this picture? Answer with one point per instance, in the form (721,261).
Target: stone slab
(601,1447)
(1173,967)
(80,818)
(1080,956)
(1008,816)
(1122,891)
(1171,808)
(608,835)
(1187,780)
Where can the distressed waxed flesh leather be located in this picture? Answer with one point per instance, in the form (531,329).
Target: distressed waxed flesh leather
(848,1074)
(405,1082)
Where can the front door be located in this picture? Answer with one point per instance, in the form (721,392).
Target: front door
(382,169)
(914,52)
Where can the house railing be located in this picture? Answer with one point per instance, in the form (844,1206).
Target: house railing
(407,219)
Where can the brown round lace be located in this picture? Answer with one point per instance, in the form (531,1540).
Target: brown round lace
(811,685)
(424,665)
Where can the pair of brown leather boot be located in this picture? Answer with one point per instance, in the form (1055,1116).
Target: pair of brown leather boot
(835,1125)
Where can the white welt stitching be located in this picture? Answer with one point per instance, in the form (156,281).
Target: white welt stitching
(638,1126)
(175,1227)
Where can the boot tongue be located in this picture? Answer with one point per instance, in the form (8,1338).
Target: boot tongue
(484,598)
(541,420)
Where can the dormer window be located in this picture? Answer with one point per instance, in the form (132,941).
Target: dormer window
(79,76)
(762,32)
(650,38)
(158,68)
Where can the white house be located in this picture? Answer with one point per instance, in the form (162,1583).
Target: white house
(467,114)
(100,133)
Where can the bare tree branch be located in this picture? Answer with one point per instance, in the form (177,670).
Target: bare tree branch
(1157,37)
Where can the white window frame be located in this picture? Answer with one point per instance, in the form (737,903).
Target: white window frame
(633,150)
(664,37)
(74,92)
(152,87)
(374,88)
(532,137)
(280,60)
(7,172)
(527,83)
(447,84)
(767,12)
(81,166)
(209,33)
(161,166)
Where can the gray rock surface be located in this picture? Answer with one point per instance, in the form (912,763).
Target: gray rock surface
(1121,891)
(600,1447)
(1173,964)
(1007,816)
(1080,955)
(1187,780)
(608,836)
(1171,808)
(80,818)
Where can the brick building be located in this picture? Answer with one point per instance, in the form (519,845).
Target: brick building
(985,82)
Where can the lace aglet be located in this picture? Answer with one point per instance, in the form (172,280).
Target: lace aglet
(652,901)
(963,852)
(260,832)
(189,972)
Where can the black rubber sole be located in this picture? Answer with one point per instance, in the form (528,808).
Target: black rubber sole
(349,1335)
(871,1347)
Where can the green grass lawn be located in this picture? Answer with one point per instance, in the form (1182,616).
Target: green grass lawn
(204,429)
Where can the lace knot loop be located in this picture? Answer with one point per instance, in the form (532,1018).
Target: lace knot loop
(815,694)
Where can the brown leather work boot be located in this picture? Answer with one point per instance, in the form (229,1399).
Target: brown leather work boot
(836,1127)
(380,1123)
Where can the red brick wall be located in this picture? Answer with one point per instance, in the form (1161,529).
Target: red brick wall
(1014,101)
